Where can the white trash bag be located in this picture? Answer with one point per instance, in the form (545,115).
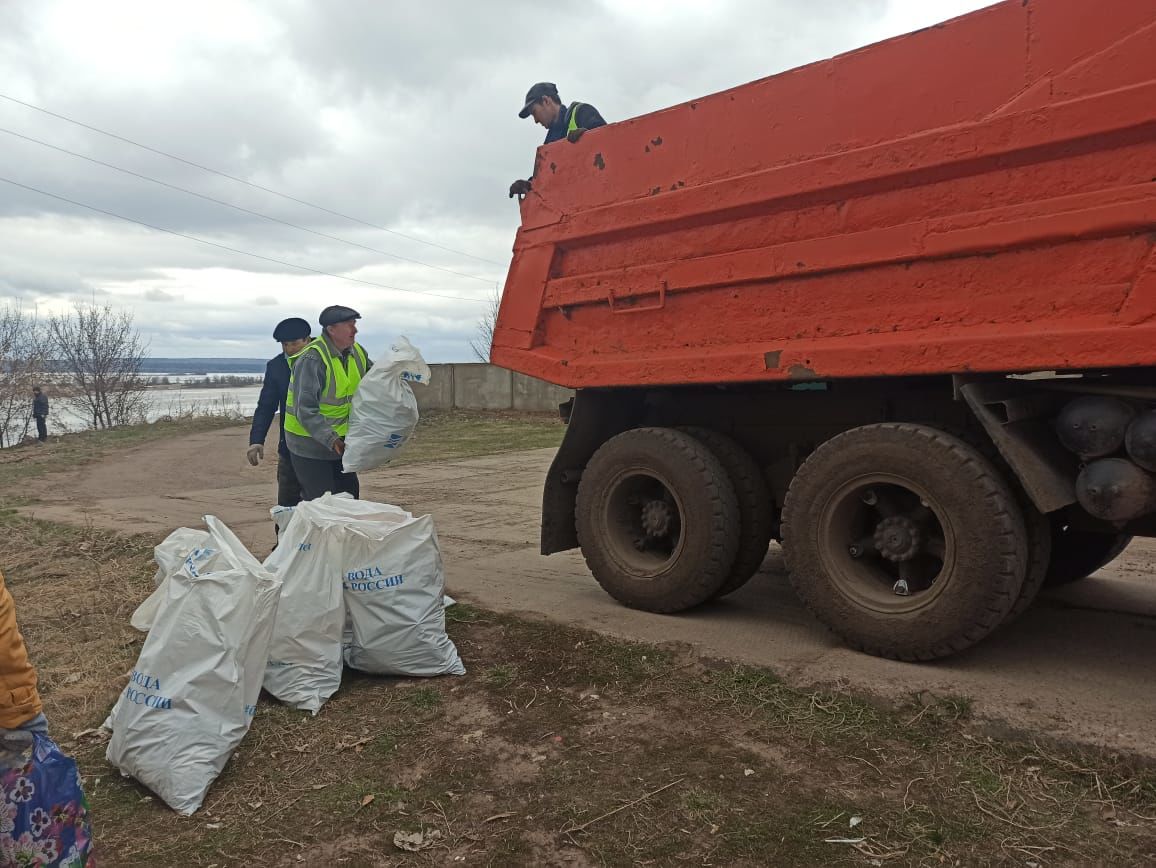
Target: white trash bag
(390,568)
(384,413)
(182,544)
(193,691)
(394,592)
(305,659)
(281,516)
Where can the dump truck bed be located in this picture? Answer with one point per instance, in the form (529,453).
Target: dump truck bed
(976,196)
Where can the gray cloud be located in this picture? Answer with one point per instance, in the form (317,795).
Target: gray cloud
(402,115)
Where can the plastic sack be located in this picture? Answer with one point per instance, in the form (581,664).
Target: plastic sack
(384,413)
(305,660)
(193,691)
(44,816)
(390,569)
(182,543)
(281,516)
(394,592)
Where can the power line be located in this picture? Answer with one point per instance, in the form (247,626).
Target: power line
(238,207)
(243,181)
(234,249)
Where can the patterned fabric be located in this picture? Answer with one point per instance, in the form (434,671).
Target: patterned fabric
(44,817)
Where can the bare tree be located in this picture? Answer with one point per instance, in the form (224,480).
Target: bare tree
(485,338)
(101,352)
(23,361)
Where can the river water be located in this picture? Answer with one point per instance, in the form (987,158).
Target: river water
(160,403)
(199,401)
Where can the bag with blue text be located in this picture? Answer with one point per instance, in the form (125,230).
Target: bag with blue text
(44,816)
(169,556)
(193,692)
(305,660)
(394,587)
(383,413)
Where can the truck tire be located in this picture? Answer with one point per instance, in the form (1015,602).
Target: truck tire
(904,540)
(756,509)
(1037,524)
(657,520)
(1039,530)
(1077,554)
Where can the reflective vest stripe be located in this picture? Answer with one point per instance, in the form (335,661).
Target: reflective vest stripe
(341,381)
(573,122)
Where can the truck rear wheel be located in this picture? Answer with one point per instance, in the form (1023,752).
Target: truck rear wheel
(904,540)
(1076,554)
(756,510)
(657,520)
(1039,530)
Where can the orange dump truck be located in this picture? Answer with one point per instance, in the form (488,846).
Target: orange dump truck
(896,309)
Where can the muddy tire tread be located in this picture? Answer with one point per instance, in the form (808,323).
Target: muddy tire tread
(756,508)
(721,510)
(1009,538)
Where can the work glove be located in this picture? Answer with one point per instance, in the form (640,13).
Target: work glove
(339,446)
(519,188)
(255,454)
(575,134)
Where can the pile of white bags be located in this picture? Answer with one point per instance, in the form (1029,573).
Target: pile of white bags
(384,412)
(193,691)
(371,568)
(351,582)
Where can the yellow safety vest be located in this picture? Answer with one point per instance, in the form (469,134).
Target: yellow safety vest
(573,123)
(340,384)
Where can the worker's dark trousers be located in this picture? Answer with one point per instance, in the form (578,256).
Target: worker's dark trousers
(319,475)
(288,488)
(41,429)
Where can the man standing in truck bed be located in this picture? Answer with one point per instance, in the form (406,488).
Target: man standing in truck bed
(561,121)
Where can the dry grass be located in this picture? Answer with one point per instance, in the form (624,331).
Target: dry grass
(75,590)
(564,747)
(444,435)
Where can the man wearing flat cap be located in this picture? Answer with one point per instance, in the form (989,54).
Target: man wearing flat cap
(561,121)
(294,335)
(324,377)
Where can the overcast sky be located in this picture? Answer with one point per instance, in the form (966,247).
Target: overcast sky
(403,115)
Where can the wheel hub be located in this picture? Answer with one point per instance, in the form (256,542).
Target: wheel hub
(898,538)
(656,518)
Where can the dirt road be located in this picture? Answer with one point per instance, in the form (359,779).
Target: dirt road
(1074,667)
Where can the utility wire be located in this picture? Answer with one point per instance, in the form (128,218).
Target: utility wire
(243,181)
(116,168)
(234,249)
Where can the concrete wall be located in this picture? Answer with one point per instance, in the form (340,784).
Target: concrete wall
(477,386)
(482,387)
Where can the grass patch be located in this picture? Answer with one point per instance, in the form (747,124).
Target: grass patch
(423,698)
(561,746)
(464,613)
(703,802)
(446,434)
(501,676)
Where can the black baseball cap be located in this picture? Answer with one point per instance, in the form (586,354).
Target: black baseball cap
(541,89)
(292,329)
